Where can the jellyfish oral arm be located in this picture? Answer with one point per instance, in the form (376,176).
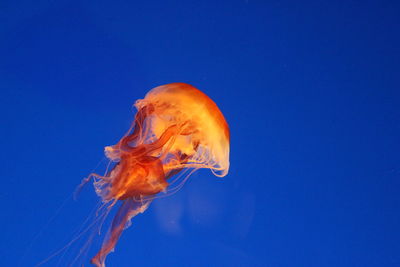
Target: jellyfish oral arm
(122,220)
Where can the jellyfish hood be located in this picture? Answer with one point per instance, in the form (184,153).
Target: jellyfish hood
(204,131)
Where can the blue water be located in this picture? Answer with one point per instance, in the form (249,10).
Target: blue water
(310,90)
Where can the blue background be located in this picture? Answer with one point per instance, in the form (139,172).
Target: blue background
(310,90)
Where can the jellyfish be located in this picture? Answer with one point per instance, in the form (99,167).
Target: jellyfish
(177,130)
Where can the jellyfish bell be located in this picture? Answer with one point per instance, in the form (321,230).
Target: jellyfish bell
(177,128)
(203,133)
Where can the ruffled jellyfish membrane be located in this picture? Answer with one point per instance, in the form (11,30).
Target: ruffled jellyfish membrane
(177,130)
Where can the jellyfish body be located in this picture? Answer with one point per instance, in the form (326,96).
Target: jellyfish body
(177,128)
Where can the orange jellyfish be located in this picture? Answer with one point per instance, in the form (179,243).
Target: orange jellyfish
(177,130)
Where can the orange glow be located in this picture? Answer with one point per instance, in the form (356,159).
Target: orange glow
(177,128)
